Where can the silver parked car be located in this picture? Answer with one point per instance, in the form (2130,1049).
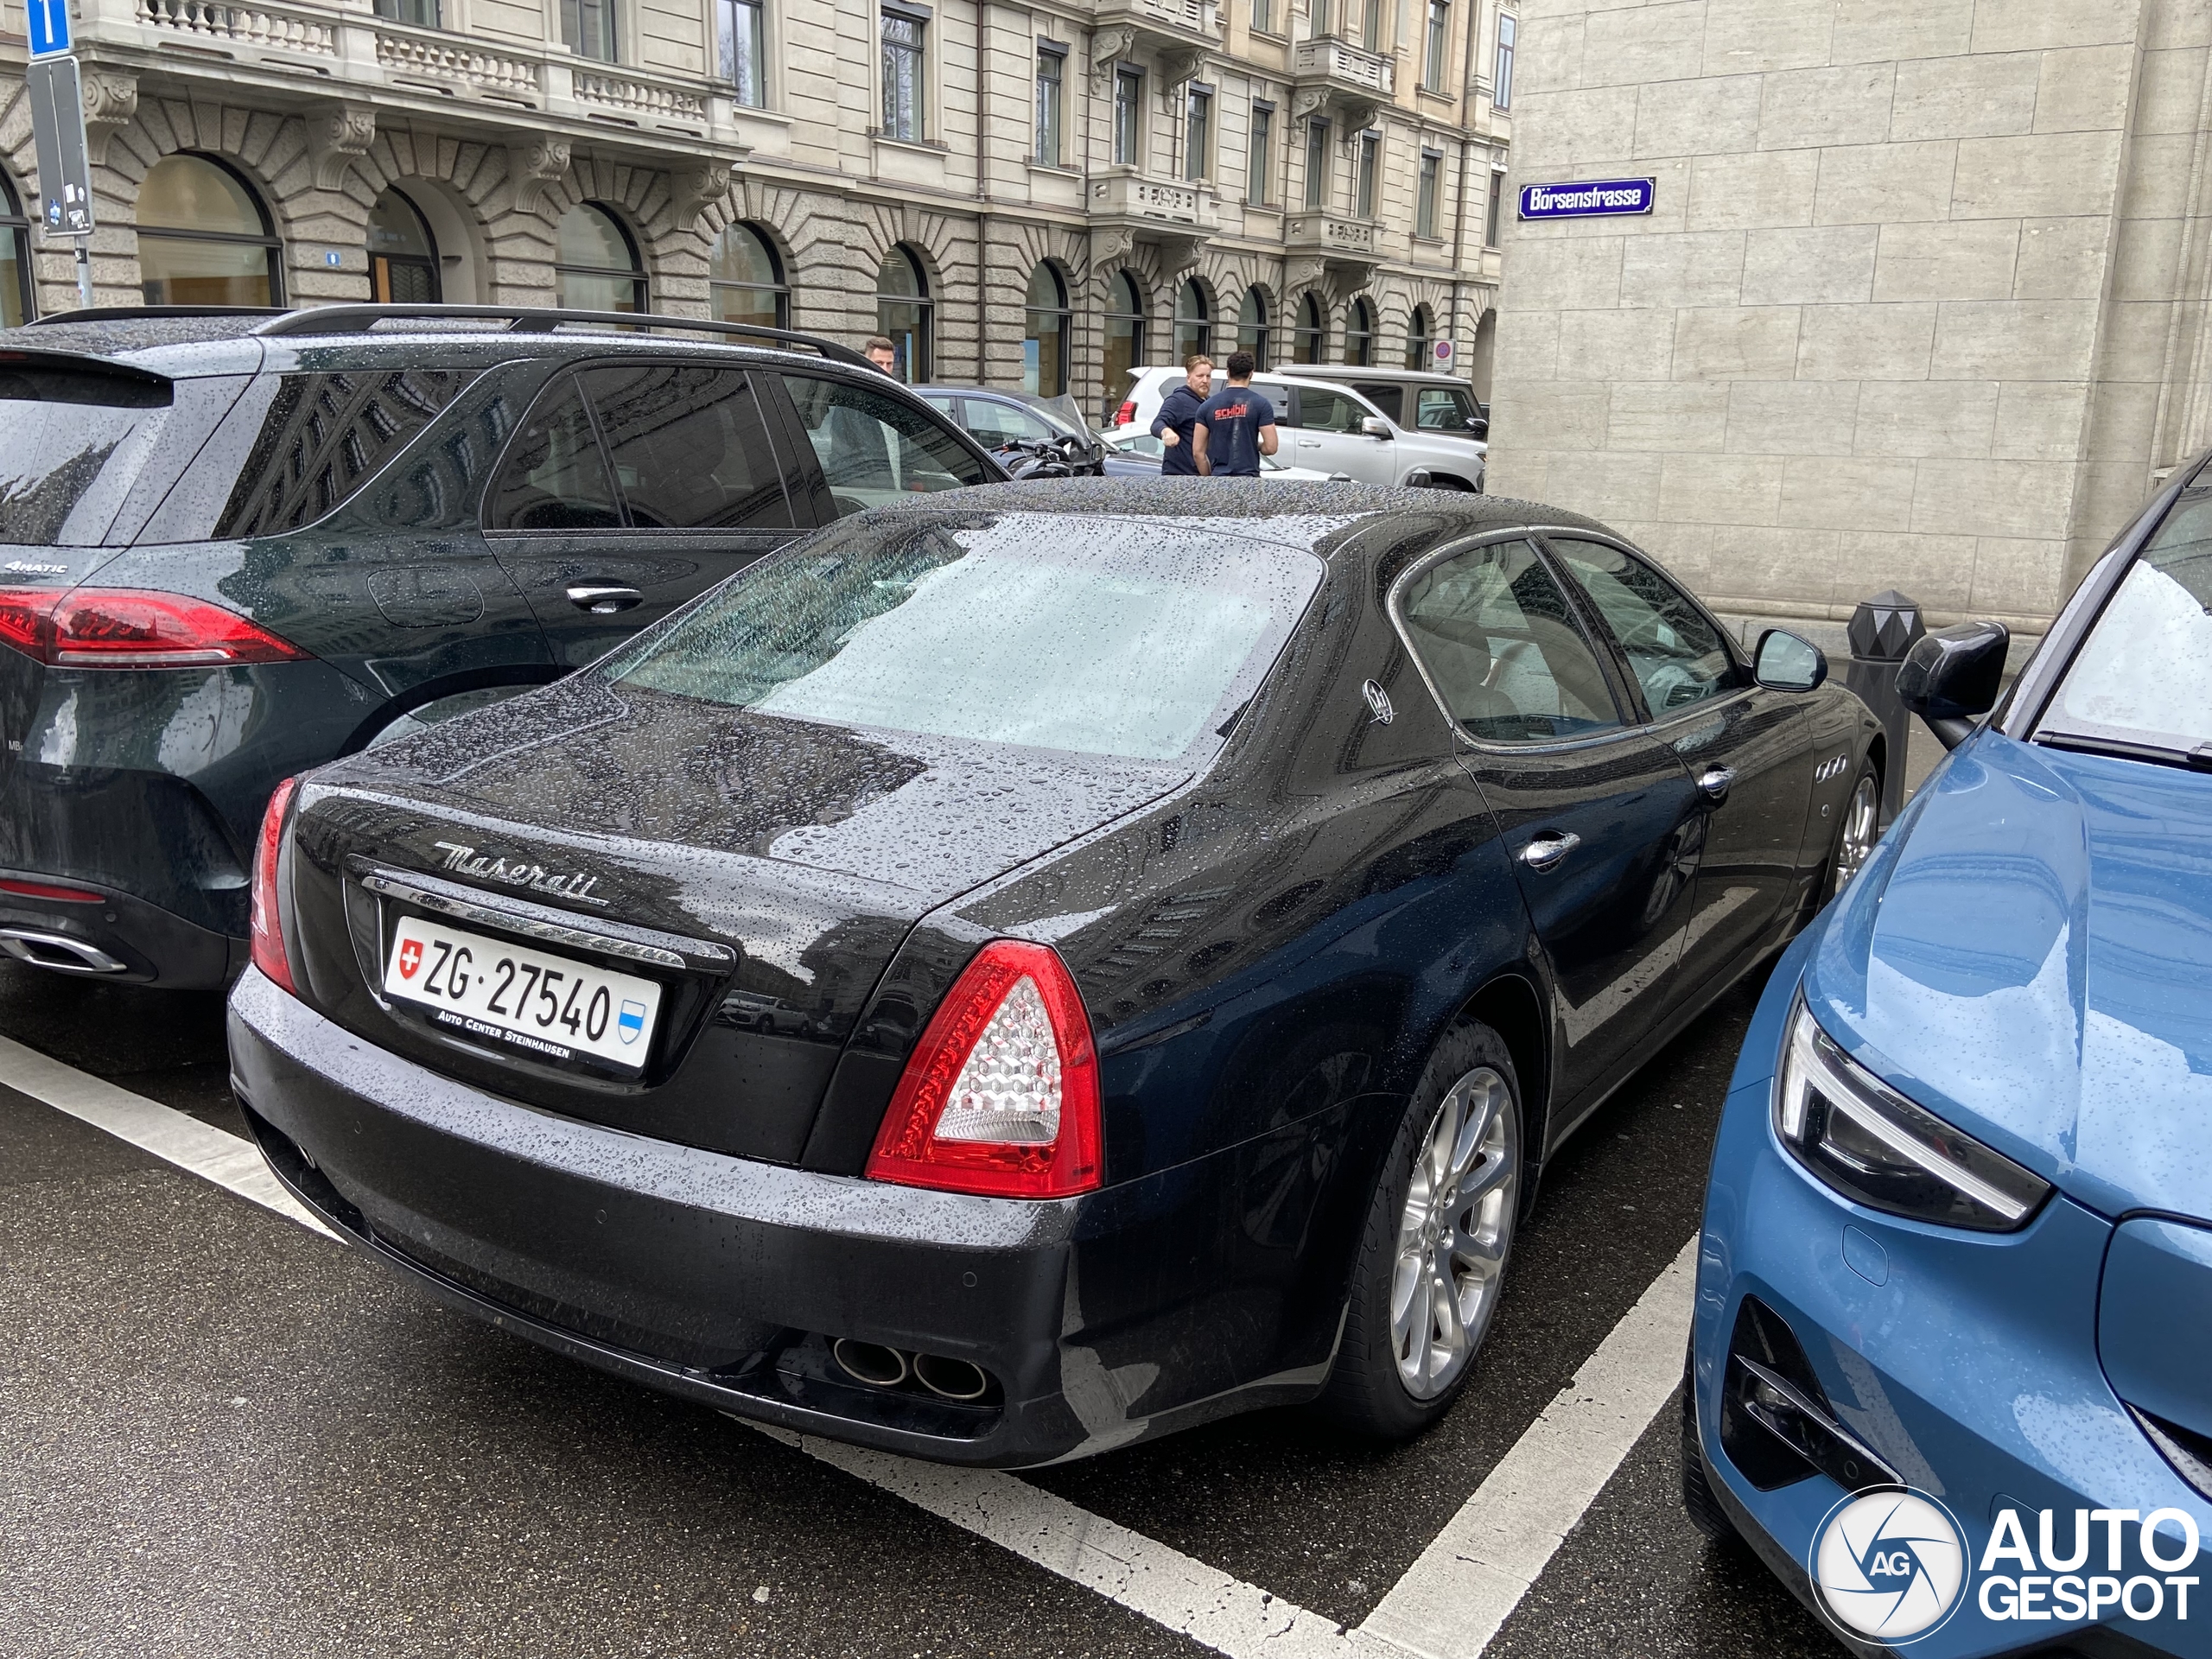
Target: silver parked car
(1332,427)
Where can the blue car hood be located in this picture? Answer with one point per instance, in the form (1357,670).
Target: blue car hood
(2029,956)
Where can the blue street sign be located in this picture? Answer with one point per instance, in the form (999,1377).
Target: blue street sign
(1588,199)
(47,22)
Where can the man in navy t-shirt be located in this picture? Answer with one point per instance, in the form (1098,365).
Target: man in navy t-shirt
(1179,459)
(1236,426)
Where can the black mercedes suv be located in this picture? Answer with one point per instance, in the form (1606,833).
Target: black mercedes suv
(236,544)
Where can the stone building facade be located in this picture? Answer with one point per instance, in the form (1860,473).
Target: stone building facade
(1921,301)
(1011,172)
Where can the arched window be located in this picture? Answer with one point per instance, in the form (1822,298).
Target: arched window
(1124,341)
(596,267)
(902,314)
(747,280)
(203,237)
(1046,327)
(1420,338)
(402,254)
(1193,322)
(1310,334)
(18,304)
(1359,335)
(1253,333)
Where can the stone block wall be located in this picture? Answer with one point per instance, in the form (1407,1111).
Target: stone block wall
(1921,302)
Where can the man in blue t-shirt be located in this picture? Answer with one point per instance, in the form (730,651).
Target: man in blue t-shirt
(1236,426)
(1177,410)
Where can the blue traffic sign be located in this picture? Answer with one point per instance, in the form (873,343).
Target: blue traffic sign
(1586,198)
(48,22)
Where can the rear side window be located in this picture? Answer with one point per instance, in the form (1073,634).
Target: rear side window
(690,448)
(1389,399)
(1505,654)
(71,446)
(555,477)
(875,448)
(325,436)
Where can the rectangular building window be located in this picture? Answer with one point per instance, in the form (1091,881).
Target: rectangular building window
(744,52)
(1197,133)
(1436,58)
(1260,169)
(1319,15)
(1501,85)
(423,14)
(1263,16)
(588,28)
(1317,163)
(905,42)
(1432,167)
(1370,156)
(1051,59)
(1496,209)
(1371,26)
(1129,117)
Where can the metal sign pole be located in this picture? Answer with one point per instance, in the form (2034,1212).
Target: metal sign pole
(65,169)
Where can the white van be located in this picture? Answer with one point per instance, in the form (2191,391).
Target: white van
(1327,425)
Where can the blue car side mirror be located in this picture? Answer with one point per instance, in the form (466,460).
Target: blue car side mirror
(1951,678)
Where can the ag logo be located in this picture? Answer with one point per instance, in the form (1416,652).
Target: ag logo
(1890,1564)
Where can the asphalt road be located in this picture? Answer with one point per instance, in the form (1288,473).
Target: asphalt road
(228,1436)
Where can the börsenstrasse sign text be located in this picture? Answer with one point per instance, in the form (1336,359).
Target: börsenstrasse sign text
(1586,198)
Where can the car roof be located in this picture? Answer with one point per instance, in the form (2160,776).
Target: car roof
(181,341)
(1310,514)
(1342,371)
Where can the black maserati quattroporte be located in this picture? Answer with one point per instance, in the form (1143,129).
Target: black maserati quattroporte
(1012,975)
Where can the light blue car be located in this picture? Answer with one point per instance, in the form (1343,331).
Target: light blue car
(1951,1368)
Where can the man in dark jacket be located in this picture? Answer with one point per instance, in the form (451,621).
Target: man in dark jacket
(1177,409)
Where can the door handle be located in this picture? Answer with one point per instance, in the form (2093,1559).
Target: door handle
(1546,851)
(604,598)
(1714,783)
(1309,443)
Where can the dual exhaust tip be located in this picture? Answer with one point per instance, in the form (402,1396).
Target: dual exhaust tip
(888,1367)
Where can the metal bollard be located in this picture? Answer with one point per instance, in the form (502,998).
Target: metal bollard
(1882,630)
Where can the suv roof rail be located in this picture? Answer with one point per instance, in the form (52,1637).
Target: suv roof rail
(134,313)
(532,319)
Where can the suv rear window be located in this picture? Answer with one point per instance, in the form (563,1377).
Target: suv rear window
(325,436)
(73,443)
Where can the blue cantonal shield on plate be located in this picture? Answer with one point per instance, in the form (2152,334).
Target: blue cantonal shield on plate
(630,1020)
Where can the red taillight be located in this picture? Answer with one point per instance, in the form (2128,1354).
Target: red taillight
(267,915)
(1126,414)
(94,627)
(46,890)
(1001,1097)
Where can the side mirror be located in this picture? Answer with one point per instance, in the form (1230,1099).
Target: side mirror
(1951,678)
(1478,426)
(1375,427)
(1785,663)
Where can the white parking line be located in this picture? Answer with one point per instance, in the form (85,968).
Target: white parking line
(1472,1575)
(214,1154)
(1449,1605)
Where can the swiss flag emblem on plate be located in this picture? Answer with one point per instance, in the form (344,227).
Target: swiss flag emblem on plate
(410,958)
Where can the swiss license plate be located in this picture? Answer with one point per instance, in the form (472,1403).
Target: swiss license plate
(552,1007)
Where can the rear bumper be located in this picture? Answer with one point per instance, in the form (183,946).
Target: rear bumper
(715,1277)
(126,939)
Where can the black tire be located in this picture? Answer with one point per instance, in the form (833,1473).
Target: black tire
(1840,867)
(1365,1394)
(1703,1508)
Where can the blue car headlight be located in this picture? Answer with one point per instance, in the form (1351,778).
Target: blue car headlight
(1878,1148)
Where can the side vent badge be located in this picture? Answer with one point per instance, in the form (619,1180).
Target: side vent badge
(1379,701)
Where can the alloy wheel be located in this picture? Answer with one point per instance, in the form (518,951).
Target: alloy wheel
(1455,1233)
(1860,831)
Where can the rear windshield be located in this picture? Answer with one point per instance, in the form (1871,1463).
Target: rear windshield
(71,446)
(2144,673)
(1111,637)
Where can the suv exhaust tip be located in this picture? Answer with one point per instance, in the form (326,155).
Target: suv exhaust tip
(58,951)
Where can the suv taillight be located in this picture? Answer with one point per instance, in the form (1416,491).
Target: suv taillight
(1125,413)
(1001,1096)
(268,910)
(121,628)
